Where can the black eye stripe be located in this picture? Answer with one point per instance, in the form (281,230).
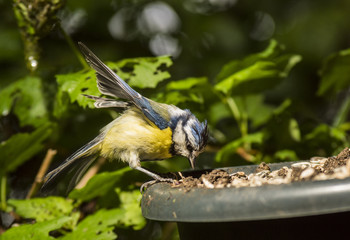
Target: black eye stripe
(187,141)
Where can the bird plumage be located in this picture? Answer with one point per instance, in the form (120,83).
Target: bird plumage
(146,130)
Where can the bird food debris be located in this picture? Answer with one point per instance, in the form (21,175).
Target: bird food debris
(318,168)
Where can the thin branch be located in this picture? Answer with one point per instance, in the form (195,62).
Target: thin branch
(41,173)
(73,47)
(244,154)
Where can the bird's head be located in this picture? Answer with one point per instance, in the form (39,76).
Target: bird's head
(189,137)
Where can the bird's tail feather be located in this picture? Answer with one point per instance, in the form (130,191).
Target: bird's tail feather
(77,163)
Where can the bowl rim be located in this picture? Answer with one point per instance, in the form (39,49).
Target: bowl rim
(297,199)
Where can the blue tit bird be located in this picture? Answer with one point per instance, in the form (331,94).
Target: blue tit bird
(146,130)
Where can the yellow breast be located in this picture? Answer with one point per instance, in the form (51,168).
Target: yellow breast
(131,132)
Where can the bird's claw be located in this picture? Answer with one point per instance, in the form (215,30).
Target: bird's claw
(149,183)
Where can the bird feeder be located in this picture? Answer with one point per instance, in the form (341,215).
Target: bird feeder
(298,210)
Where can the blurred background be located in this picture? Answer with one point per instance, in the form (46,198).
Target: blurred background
(302,114)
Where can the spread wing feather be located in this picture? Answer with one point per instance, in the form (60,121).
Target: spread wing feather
(109,83)
(101,102)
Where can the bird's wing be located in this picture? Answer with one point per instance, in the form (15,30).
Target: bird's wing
(101,102)
(109,83)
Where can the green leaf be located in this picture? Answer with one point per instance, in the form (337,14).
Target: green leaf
(186,90)
(143,72)
(323,132)
(22,147)
(26,98)
(130,202)
(99,185)
(218,111)
(335,73)
(45,209)
(258,112)
(325,140)
(286,155)
(257,72)
(35,231)
(138,72)
(294,130)
(76,84)
(98,226)
(186,84)
(282,129)
(230,149)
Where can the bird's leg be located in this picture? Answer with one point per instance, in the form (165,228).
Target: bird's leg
(156,177)
(153,175)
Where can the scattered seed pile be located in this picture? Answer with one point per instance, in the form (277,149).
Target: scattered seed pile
(317,168)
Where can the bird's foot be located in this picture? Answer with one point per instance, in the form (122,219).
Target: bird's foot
(149,183)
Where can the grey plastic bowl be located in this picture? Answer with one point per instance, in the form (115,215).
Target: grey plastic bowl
(203,212)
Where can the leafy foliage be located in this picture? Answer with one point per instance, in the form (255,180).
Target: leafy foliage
(246,76)
(39,230)
(21,147)
(45,209)
(248,127)
(97,226)
(185,90)
(335,73)
(76,84)
(104,182)
(143,72)
(138,72)
(25,99)
(130,203)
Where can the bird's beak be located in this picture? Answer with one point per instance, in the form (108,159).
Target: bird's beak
(192,160)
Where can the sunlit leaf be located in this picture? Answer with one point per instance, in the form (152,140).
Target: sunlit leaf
(35,231)
(143,72)
(294,130)
(21,147)
(335,73)
(99,185)
(26,98)
(137,72)
(186,84)
(45,209)
(98,226)
(186,90)
(286,155)
(257,72)
(130,202)
(76,84)
(177,97)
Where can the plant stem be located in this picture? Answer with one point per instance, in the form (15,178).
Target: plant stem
(73,47)
(343,112)
(3,192)
(234,109)
(41,173)
(241,118)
